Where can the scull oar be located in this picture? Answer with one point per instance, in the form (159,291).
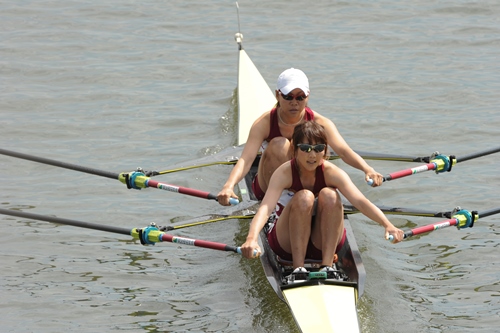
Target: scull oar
(439,163)
(460,218)
(148,235)
(136,179)
(348,209)
(364,155)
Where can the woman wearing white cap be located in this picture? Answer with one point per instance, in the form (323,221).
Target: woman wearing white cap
(273,130)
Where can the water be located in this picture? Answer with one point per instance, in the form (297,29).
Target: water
(116,85)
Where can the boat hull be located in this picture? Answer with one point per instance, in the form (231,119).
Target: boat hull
(317,304)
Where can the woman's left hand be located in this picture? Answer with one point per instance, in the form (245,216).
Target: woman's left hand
(397,234)
(374,176)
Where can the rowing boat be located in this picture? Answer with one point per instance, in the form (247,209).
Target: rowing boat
(320,303)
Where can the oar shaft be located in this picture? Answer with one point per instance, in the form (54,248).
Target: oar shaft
(489,212)
(411,171)
(58,220)
(388,157)
(186,190)
(407,172)
(478,154)
(431,227)
(199,243)
(350,209)
(59,164)
(180,189)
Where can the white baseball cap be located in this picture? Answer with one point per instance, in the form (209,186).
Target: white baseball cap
(292,79)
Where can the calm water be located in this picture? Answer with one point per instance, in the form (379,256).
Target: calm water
(116,85)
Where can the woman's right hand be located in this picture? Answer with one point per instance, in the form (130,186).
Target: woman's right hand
(251,249)
(224,196)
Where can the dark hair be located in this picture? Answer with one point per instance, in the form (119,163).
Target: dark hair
(309,131)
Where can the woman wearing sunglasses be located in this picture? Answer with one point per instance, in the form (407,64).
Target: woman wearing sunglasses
(303,194)
(271,134)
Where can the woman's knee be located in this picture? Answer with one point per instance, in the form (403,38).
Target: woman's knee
(330,197)
(278,147)
(303,200)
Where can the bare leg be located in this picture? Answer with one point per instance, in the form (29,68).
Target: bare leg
(329,224)
(294,226)
(276,153)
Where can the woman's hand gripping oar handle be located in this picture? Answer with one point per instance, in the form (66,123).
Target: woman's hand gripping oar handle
(138,180)
(370,181)
(461,218)
(440,163)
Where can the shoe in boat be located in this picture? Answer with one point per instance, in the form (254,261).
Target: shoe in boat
(331,272)
(298,274)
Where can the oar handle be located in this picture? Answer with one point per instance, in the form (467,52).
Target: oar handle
(232,201)
(370,181)
(406,235)
(255,252)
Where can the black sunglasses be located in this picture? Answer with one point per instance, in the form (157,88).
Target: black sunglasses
(306,148)
(291,97)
